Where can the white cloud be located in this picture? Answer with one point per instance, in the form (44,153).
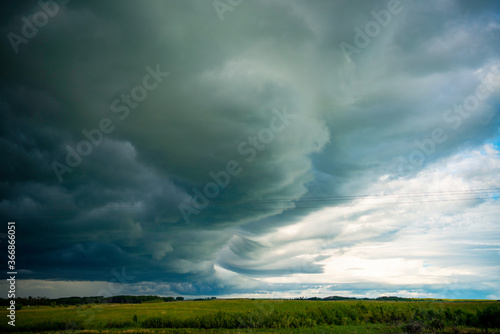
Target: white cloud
(435,227)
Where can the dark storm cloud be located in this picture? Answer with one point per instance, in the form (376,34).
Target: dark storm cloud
(119,206)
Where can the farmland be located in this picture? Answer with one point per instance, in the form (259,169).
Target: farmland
(272,316)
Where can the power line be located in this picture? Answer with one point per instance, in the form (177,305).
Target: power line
(247,205)
(351,197)
(308,199)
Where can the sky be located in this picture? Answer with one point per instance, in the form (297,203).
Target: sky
(265,149)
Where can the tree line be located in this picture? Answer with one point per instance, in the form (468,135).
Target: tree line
(44,301)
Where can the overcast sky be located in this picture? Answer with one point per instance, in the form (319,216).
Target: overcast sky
(252,148)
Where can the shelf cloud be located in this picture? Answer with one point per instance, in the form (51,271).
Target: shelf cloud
(252,148)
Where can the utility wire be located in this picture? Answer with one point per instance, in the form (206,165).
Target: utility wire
(248,205)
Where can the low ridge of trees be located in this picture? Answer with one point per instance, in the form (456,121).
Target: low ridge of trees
(44,301)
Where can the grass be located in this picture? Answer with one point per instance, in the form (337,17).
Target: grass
(264,316)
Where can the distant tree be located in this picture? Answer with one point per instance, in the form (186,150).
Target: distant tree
(179,298)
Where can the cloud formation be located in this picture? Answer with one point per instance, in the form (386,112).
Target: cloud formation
(414,112)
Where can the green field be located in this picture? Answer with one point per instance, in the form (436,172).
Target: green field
(264,316)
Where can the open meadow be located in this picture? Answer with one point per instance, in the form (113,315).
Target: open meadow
(273,316)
